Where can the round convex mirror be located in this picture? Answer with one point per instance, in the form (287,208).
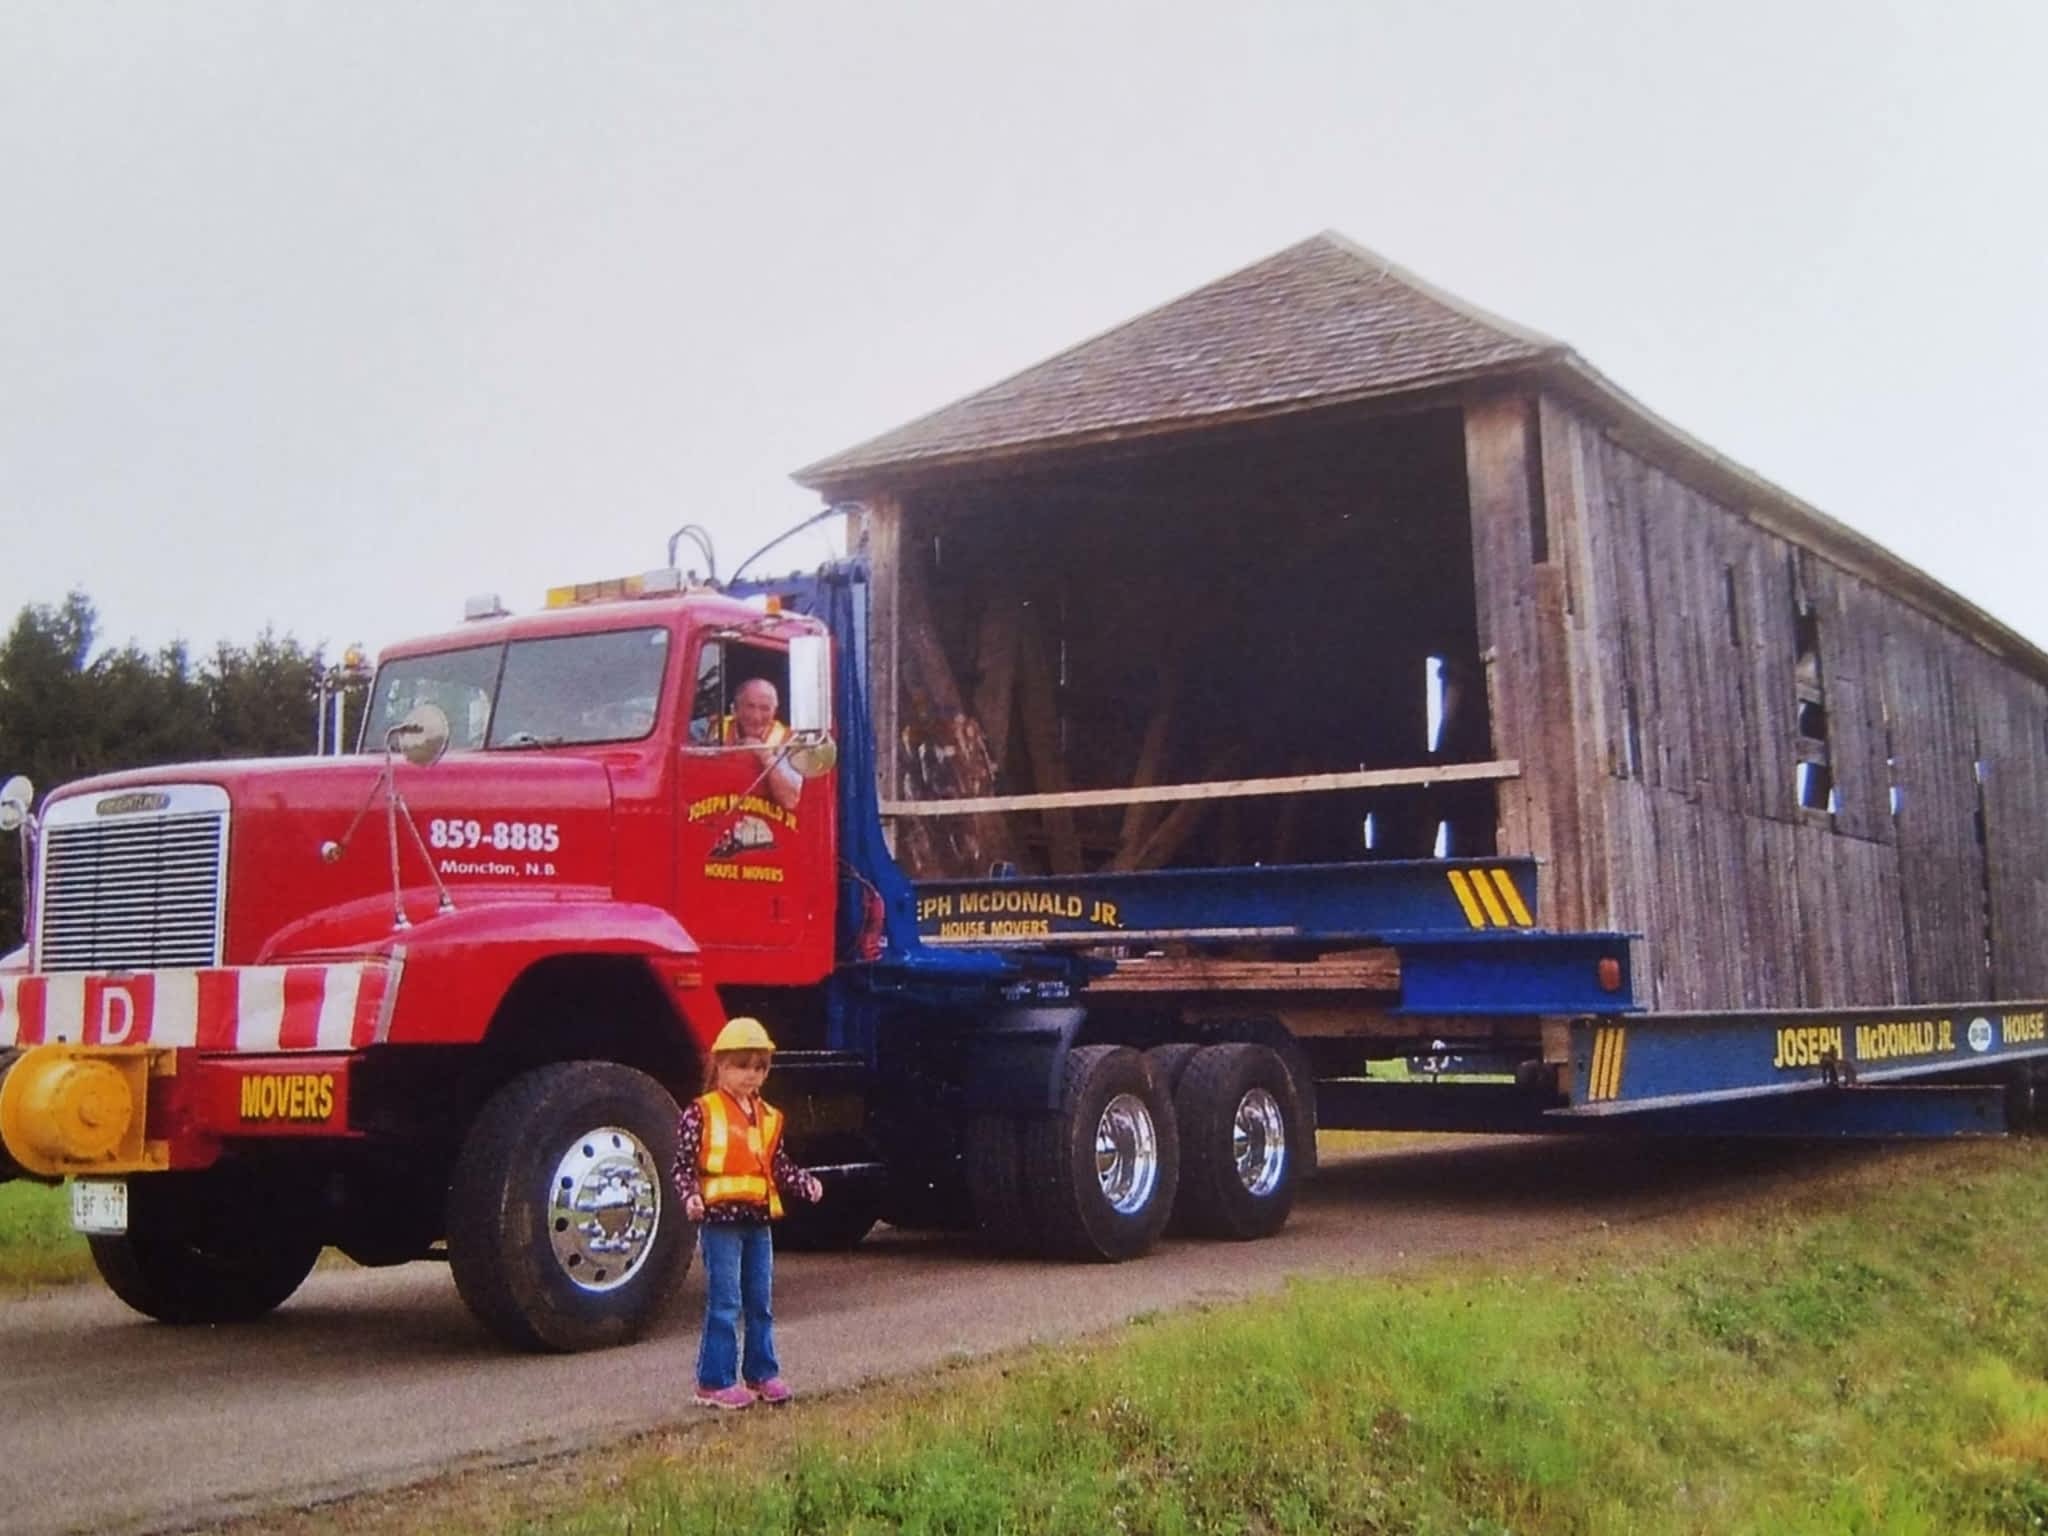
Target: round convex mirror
(422,736)
(814,759)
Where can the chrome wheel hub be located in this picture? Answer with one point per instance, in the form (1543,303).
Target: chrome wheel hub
(604,1207)
(1258,1141)
(1126,1153)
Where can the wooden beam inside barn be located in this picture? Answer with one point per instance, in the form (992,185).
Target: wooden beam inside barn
(1217,789)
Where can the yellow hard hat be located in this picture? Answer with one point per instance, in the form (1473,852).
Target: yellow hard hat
(743,1035)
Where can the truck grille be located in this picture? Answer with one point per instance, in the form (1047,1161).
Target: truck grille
(132,891)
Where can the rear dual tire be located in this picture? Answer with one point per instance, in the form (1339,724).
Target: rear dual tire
(1094,1180)
(1243,1135)
(993,1154)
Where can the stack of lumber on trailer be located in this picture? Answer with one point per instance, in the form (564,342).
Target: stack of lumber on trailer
(1352,972)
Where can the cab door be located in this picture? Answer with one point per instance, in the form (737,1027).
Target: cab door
(753,874)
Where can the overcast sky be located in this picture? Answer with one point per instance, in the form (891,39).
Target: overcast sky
(326,316)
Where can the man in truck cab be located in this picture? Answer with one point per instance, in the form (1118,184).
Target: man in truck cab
(753,723)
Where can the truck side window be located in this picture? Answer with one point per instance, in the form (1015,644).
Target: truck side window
(723,669)
(460,682)
(567,690)
(707,704)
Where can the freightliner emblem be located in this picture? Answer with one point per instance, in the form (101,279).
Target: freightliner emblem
(130,805)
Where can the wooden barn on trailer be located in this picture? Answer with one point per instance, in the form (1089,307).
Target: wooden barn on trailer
(1321,563)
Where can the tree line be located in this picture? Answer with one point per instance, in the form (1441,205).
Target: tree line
(68,711)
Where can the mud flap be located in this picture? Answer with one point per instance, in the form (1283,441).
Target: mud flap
(1016,1057)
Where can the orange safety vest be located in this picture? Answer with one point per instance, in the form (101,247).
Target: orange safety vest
(725,733)
(737,1158)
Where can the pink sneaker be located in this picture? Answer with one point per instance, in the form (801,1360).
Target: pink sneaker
(725,1397)
(773,1390)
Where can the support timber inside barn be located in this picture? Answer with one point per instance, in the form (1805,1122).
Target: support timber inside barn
(1092,626)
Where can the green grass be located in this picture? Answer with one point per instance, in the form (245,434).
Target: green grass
(1871,1359)
(37,1245)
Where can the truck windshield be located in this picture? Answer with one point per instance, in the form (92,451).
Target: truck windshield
(569,690)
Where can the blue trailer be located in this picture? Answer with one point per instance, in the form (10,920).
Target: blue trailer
(1232,1012)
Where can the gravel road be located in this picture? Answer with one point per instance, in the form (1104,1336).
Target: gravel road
(368,1379)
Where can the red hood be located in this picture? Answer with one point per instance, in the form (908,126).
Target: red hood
(515,826)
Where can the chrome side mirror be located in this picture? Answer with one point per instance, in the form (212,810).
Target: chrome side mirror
(814,759)
(810,685)
(422,736)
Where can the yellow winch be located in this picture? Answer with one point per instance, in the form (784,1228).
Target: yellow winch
(67,1109)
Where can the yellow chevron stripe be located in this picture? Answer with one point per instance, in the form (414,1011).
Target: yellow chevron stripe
(1463,890)
(1598,1066)
(1484,888)
(1513,898)
(1609,1050)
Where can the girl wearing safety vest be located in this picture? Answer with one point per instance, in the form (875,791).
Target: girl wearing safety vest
(732,1173)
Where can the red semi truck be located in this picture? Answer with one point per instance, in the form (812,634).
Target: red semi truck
(270,1006)
(440,998)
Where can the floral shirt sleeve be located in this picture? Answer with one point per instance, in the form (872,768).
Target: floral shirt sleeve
(790,1179)
(689,1141)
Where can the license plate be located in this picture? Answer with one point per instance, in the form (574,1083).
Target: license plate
(99,1205)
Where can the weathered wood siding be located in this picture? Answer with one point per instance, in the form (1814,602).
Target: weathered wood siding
(1644,646)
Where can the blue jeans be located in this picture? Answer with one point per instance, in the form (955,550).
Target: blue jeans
(739,1275)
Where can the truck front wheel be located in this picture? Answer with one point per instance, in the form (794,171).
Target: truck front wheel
(178,1264)
(1100,1173)
(563,1231)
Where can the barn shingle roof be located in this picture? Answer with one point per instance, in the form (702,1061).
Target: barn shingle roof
(1319,323)
(1326,323)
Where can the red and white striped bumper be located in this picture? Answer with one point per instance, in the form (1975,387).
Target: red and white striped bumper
(261,1008)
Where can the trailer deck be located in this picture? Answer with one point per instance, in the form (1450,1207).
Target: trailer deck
(1455,936)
